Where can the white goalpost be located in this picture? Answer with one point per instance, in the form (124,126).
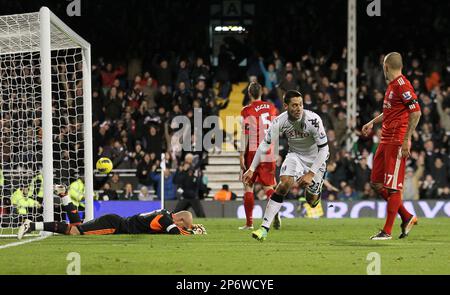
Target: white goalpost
(45,117)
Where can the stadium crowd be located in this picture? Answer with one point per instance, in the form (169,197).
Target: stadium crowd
(132,121)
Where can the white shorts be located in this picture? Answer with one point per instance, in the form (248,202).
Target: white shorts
(294,166)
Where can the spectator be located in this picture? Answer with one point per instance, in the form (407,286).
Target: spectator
(430,156)
(183,74)
(97,107)
(128,194)
(288,83)
(188,186)
(113,105)
(362,174)
(108,75)
(116,184)
(270,76)
(444,193)
(144,194)
(149,92)
(163,73)
(183,97)
(203,94)
(348,194)
(368,192)
(428,188)
(340,126)
(137,155)
(444,112)
(225,194)
(108,193)
(118,153)
(163,97)
(326,117)
(153,141)
(200,71)
(169,186)
(143,171)
(440,173)
(411,183)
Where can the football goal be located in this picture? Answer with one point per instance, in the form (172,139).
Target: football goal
(45,117)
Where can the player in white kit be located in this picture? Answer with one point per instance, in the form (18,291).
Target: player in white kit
(306,161)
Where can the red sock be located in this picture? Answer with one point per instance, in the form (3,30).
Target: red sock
(404,214)
(270,192)
(249,202)
(394,202)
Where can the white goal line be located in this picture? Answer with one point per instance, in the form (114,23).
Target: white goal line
(23,242)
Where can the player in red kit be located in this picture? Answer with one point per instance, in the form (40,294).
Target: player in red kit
(401,113)
(256,118)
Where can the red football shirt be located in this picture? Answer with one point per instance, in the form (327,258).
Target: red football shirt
(256,119)
(399,100)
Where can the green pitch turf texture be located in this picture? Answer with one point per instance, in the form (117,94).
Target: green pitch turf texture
(302,246)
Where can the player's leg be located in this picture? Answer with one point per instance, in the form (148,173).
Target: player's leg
(290,169)
(269,190)
(273,206)
(378,177)
(249,203)
(249,197)
(266,177)
(395,175)
(53,226)
(313,192)
(384,193)
(104,225)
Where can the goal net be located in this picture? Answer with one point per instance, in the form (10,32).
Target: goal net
(45,118)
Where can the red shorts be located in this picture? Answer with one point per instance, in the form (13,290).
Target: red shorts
(388,166)
(264,173)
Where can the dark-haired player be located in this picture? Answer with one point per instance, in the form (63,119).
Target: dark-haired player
(256,119)
(156,222)
(401,113)
(305,162)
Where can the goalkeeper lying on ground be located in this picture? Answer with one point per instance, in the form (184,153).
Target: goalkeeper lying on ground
(156,222)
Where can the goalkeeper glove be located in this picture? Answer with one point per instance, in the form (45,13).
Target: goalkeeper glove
(198,229)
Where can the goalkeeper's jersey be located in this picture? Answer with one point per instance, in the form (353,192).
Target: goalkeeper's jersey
(158,221)
(304,136)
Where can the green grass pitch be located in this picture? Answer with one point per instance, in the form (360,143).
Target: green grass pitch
(302,246)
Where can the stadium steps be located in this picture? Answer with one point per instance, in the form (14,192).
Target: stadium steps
(234,109)
(224,160)
(223,169)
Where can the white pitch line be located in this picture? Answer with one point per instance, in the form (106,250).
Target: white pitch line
(22,242)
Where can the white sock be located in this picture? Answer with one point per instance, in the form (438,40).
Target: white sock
(66,200)
(39,226)
(272,209)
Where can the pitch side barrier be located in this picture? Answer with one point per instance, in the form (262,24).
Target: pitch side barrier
(289,209)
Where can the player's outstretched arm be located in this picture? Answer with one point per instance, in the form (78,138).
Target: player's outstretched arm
(366,128)
(262,149)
